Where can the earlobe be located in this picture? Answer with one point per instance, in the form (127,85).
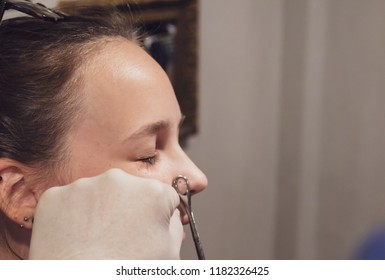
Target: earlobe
(17,200)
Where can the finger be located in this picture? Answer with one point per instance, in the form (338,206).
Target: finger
(176,233)
(169,198)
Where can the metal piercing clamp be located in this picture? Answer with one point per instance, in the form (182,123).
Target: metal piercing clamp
(186,201)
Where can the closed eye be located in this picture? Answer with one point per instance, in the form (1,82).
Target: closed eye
(150,160)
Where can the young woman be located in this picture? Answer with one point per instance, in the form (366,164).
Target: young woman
(83,106)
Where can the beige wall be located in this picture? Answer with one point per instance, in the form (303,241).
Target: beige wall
(292,96)
(238,141)
(352,161)
(292,127)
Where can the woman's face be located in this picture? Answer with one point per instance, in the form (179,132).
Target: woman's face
(131,120)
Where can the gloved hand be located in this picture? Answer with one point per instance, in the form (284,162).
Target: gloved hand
(111,216)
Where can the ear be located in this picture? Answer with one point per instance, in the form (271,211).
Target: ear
(17,199)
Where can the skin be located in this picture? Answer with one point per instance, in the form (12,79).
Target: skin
(130,120)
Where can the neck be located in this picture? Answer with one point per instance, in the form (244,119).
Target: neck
(15,241)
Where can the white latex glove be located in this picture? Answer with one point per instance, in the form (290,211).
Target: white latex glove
(112,216)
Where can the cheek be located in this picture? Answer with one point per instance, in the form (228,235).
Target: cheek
(50,180)
(91,152)
(85,163)
(161,170)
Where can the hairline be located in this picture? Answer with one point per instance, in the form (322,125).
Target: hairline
(74,99)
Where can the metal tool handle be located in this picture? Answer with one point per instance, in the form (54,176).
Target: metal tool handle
(187,205)
(195,234)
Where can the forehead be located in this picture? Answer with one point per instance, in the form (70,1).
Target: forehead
(120,58)
(123,85)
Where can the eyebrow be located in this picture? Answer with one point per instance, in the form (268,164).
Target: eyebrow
(153,129)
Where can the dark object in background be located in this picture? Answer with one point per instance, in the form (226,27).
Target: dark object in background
(373,247)
(161,46)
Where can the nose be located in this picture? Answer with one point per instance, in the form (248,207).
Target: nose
(186,167)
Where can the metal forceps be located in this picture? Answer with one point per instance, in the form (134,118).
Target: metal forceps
(186,201)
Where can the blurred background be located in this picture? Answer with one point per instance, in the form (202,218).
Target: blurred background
(291,127)
(292,110)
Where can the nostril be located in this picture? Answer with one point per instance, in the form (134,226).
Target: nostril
(193,191)
(181,184)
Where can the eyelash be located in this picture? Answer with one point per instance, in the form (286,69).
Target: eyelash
(151,160)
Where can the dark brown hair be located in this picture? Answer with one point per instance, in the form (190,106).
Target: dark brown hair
(40,77)
(38,81)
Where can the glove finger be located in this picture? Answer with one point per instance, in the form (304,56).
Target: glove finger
(176,233)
